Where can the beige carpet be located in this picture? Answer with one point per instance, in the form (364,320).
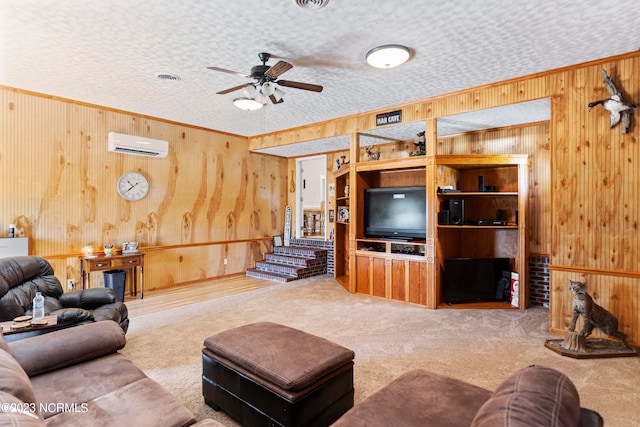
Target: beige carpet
(479,346)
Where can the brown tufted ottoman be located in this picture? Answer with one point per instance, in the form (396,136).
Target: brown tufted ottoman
(270,374)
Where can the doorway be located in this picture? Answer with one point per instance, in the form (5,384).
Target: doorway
(311,197)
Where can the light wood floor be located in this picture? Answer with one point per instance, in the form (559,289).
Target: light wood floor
(165,299)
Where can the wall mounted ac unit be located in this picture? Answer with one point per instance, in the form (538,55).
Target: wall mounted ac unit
(137,145)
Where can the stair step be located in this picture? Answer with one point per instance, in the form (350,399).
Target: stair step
(300,251)
(274,277)
(280,268)
(291,260)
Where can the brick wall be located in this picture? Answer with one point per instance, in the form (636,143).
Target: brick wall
(539,280)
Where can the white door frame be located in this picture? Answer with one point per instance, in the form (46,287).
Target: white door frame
(299,205)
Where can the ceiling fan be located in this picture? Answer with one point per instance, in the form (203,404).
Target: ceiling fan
(266,79)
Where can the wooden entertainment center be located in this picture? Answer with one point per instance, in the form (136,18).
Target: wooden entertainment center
(411,271)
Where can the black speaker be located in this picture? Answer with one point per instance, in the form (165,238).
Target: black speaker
(481,183)
(443,217)
(456,212)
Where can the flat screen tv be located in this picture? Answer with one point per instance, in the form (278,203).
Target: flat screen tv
(395,213)
(474,279)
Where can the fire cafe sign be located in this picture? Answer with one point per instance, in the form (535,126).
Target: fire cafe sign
(389,118)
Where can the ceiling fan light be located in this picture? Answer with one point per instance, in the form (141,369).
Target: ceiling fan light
(388,56)
(261,98)
(247,104)
(249,91)
(278,94)
(268,89)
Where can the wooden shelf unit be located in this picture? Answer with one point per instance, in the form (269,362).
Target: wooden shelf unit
(341,234)
(509,174)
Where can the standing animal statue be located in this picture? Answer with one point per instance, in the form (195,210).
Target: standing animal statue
(594,316)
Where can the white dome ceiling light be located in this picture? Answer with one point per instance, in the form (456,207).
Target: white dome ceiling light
(247,104)
(388,56)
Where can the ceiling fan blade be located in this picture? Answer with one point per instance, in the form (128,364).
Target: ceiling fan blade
(232,89)
(275,101)
(229,72)
(298,85)
(278,69)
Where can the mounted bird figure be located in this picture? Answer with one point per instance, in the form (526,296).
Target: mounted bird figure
(619,110)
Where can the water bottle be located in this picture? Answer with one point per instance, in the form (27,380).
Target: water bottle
(38,306)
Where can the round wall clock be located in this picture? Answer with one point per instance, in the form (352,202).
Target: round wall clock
(132,186)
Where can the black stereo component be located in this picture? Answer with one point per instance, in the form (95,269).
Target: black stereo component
(456,211)
(485,222)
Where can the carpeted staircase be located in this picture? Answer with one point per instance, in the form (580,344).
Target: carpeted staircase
(287,263)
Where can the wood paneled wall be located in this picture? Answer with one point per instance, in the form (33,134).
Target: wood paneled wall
(597,172)
(593,213)
(210,199)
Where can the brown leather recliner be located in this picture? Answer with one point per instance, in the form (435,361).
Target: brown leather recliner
(20,279)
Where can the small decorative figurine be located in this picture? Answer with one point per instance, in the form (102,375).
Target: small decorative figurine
(373,155)
(420,143)
(341,161)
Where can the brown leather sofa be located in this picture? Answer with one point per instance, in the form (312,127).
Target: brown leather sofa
(535,396)
(76,377)
(22,277)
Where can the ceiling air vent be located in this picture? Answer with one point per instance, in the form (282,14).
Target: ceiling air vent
(312,4)
(168,76)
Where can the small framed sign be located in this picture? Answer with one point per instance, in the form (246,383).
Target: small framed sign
(277,241)
(392,117)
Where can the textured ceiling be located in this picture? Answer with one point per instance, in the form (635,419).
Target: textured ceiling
(109,52)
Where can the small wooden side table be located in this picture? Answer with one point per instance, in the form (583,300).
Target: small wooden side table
(133,261)
(7,329)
